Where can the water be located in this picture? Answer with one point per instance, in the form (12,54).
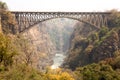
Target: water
(58,59)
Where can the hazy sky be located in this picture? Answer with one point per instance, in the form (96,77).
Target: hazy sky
(62,5)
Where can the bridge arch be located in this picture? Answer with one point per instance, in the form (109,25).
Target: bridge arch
(27,28)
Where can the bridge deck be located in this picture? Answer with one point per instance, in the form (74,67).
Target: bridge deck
(61,12)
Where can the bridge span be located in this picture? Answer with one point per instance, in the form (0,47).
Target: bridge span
(26,20)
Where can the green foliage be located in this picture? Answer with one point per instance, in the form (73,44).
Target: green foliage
(114,19)
(103,31)
(93,37)
(22,72)
(58,74)
(97,72)
(102,35)
(7,50)
(116,63)
(3,6)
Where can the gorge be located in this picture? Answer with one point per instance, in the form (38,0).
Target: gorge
(51,40)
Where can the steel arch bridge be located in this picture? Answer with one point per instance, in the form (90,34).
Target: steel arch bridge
(26,20)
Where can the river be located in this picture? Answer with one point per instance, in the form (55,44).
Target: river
(58,59)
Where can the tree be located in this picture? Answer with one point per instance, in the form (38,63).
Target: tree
(114,19)
(58,74)
(3,6)
(7,19)
(7,50)
(26,51)
(98,71)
